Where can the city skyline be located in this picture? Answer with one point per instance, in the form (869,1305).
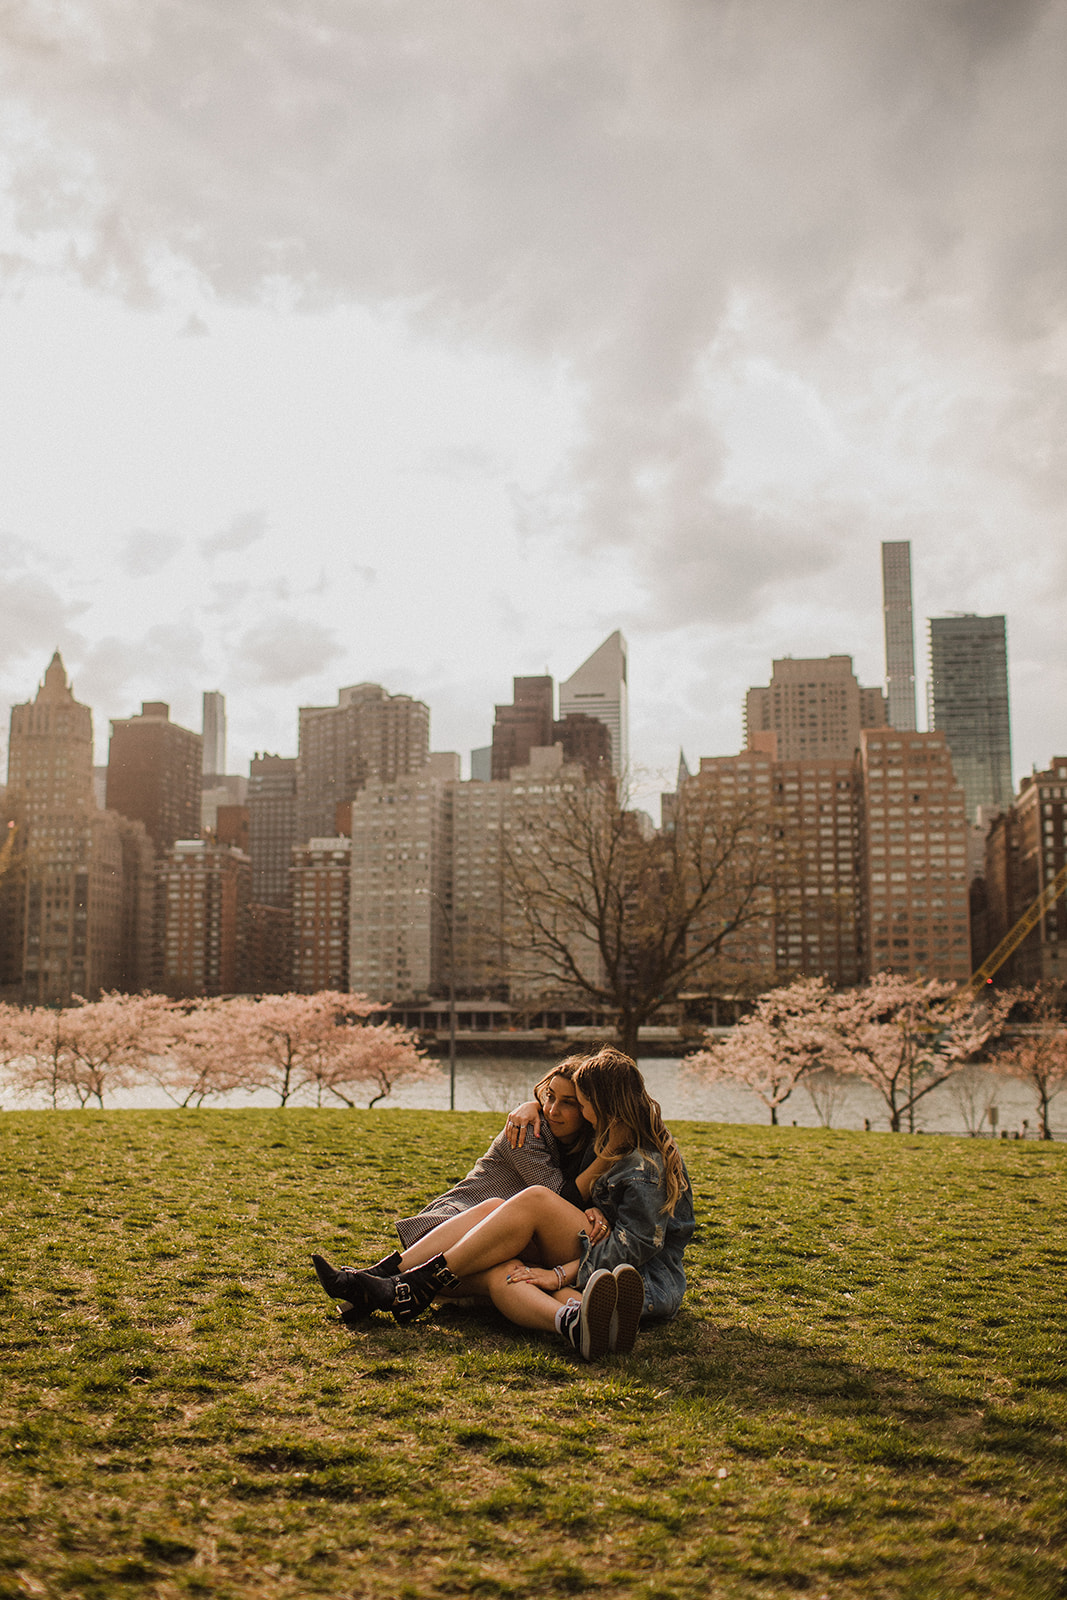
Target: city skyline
(476,347)
(214,715)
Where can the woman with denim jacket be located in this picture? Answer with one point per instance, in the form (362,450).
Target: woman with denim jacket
(557,1154)
(529,1249)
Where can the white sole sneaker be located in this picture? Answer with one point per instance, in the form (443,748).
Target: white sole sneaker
(594,1324)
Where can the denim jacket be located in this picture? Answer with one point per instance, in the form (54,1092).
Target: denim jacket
(632,1195)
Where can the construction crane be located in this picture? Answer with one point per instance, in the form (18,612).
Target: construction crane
(1015,936)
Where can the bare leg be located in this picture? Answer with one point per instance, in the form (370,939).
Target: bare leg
(524,1304)
(446,1234)
(536,1217)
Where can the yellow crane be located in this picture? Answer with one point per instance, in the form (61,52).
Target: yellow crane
(1015,936)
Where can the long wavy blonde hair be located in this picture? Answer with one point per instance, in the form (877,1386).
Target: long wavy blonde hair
(627,1118)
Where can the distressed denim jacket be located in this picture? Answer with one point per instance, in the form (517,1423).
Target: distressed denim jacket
(632,1196)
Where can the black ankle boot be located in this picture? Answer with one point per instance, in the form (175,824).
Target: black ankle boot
(339,1281)
(362,1307)
(417,1288)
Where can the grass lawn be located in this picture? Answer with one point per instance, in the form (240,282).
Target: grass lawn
(865,1396)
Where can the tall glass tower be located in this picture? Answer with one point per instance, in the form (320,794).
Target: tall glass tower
(969,704)
(214,726)
(599,689)
(899,633)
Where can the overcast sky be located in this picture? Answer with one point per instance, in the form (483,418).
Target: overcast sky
(428,343)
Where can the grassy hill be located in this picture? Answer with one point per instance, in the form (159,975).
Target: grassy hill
(865,1396)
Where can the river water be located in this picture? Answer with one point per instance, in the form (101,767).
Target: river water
(485,1083)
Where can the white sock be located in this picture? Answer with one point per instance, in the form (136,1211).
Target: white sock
(558,1319)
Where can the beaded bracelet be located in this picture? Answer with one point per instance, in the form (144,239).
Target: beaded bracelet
(561,1276)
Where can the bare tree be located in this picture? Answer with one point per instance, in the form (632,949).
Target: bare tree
(1038,1057)
(974,1092)
(781,1043)
(824,1088)
(604,907)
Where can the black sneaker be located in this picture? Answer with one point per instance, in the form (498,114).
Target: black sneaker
(629,1303)
(587,1326)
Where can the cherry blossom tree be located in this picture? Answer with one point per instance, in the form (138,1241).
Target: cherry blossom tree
(37,1054)
(375,1057)
(905,1036)
(109,1041)
(781,1042)
(1038,1057)
(289,1041)
(16,1047)
(196,1056)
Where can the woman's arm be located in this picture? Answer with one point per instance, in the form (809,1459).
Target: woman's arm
(547,1278)
(528,1115)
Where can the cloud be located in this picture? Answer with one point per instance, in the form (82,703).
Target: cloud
(245,530)
(32,611)
(14,552)
(227,598)
(144,553)
(285,649)
(165,662)
(596,184)
(194,327)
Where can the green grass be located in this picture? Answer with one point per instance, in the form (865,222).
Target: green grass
(865,1395)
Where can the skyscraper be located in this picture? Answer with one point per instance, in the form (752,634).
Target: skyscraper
(522,726)
(812,710)
(899,633)
(64,930)
(969,705)
(271,826)
(399,900)
(321,878)
(1026,847)
(599,688)
(154,771)
(214,735)
(914,848)
(367,734)
(204,891)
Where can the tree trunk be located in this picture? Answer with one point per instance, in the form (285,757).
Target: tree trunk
(628,1036)
(774,1116)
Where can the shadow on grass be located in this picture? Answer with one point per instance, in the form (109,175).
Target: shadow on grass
(764,1398)
(775,1395)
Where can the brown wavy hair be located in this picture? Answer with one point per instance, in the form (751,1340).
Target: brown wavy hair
(566,1069)
(627,1118)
